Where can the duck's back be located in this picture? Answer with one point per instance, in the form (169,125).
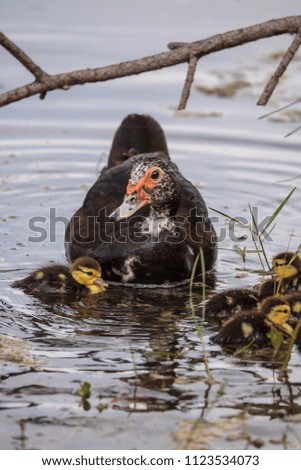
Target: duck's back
(136,134)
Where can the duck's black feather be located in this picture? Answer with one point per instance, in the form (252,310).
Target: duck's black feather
(136,134)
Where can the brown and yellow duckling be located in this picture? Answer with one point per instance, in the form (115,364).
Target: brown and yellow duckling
(82,277)
(287,267)
(287,278)
(254,326)
(294,300)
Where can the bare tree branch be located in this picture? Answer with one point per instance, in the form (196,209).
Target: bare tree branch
(188,82)
(20,55)
(45,82)
(286,59)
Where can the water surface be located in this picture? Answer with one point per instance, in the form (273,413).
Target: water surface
(139,349)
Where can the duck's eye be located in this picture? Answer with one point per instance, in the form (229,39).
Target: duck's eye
(89,273)
(155,175)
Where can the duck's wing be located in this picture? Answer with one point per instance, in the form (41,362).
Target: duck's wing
(195,225)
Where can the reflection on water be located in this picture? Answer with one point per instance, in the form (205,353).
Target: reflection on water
(138,349)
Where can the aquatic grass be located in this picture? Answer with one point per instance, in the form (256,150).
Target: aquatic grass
(210,380)
(84,391)
(291,344)
(135,367)
(244,250)
(263,234)
(276,338)
(245,348)
(199,328)
(279,208)
(296,253)
(258,235)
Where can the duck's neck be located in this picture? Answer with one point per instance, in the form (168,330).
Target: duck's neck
(166,209)
(161,212)
(160,218)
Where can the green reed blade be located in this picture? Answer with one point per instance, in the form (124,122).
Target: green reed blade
(227,216)
(279,209)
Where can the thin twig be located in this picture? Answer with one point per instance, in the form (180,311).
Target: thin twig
(286,59)
(25,60)
(180,55)
(188,82)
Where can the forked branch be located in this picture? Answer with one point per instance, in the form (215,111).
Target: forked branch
(179,53)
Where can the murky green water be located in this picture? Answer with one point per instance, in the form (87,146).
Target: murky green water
(139,349)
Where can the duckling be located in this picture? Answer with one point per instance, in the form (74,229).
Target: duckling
(287,267)
(254,325)
(287,277)
(294,300)
(226,303)
(82,277)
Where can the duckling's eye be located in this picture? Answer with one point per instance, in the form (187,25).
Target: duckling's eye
(155,175)
(89,273)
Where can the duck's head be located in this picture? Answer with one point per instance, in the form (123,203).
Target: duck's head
(87,272)
(286,265)
(153,182)
(276,313)
(275,310)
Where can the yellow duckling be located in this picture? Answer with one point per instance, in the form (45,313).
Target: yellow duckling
(287,267)
(294,300)
(287,278)
(255,325)
(82,277)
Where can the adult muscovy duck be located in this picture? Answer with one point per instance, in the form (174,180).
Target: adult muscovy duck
(142,220)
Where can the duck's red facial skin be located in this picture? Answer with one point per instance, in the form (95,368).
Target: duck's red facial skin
(142,189)
(145,184)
